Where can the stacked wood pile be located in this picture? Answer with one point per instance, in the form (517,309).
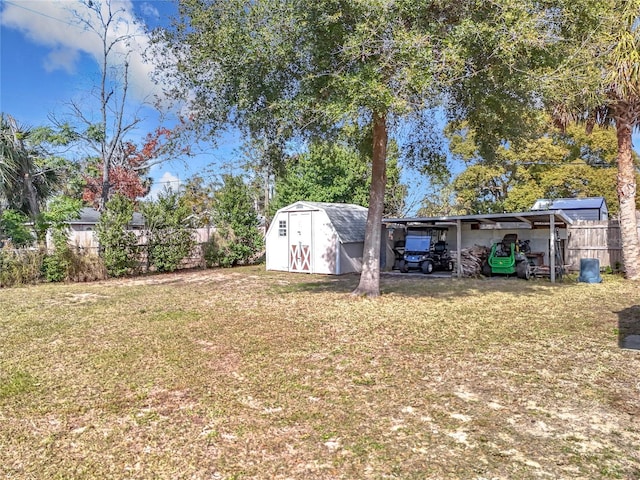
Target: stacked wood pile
(472,260)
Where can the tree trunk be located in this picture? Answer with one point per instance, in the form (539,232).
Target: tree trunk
(370,277)
(104,195)
(32,196)
(627,195)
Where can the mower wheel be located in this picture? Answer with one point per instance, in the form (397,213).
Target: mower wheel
(523,271)
(450,266)
(404,268)
(486,270)
(427,266)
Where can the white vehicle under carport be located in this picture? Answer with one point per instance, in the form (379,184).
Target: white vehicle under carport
(417,253)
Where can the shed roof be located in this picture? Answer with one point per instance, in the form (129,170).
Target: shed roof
(569,203)
(348,220)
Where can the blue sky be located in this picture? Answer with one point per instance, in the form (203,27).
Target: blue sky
(48,60)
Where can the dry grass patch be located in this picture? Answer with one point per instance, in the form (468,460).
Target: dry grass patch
(250,374)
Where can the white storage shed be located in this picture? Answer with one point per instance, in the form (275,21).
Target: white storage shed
(315,237)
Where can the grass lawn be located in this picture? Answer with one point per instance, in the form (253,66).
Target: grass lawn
(242,373)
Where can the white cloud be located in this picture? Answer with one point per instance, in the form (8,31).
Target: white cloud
(62,59)
(149,10)
(167,180)
(54,24)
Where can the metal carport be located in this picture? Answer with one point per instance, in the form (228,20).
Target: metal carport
(550,219)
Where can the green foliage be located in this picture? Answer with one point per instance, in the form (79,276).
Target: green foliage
(118,244)
(337,173)
(170,238)
(59,211)
(55,267)
(211,252)
(58,264)
(236,221)
(327,173)
(553,165)
(29,173)
(12,227)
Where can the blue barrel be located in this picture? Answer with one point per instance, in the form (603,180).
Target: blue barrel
(590,270)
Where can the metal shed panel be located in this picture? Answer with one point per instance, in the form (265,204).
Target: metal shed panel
(589,208)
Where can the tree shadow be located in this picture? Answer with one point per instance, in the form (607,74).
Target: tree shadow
(629,328)
(416,285)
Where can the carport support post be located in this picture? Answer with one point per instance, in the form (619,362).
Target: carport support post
(459,247)
(552,247)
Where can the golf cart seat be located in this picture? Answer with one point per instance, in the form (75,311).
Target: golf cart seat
(440,247)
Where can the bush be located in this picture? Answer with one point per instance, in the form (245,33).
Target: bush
(12,227)
(57,265)
(168,247)
(20,267)
(170,237)
(239,240)
(118,245)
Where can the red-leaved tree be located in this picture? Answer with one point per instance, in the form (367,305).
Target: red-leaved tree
(128,174)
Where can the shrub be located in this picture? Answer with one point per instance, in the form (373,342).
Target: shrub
(239,240)
(170,237)
(12,227)
(118,245)
(56,266)
(86,267)
(20,267)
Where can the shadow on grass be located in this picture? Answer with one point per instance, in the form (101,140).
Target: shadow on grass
(417,285)
(321,284)
(629,328)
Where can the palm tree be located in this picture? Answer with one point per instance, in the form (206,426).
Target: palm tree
(24,183)
(9,161)
(608,61)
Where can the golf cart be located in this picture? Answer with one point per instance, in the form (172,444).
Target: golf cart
(421,253)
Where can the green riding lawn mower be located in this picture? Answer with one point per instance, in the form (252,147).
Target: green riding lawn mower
(508,257)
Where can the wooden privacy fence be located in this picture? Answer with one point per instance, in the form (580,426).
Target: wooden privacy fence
(87,242)
(594,239)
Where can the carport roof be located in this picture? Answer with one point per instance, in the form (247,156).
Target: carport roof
(539,217)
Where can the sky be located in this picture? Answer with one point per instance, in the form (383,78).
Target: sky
(47,60)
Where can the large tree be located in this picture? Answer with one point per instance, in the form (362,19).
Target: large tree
(600,83)
(554,165)
(317,65)
(105,133)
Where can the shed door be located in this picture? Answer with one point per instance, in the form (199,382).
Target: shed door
(300,242)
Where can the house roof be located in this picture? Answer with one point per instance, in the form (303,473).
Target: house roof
(91,216)
(570,203)
(348,220)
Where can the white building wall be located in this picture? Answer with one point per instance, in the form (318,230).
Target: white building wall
(323,248)
(277,246)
